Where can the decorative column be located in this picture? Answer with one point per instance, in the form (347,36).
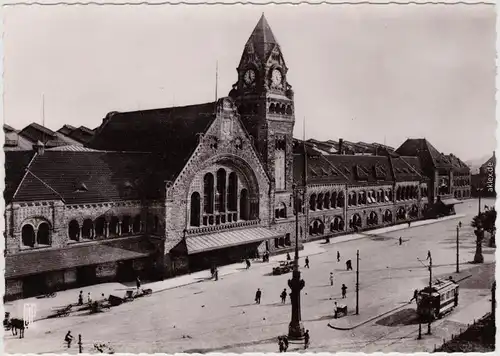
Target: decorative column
(106,229)
(92,231)
(119,228)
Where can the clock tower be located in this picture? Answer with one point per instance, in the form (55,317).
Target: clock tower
(265,102)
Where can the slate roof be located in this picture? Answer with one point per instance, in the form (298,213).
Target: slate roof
(457,163)
(407,169)
(363,169)
(15,168)
(171,132)
(262,39)
(428,154)
(107,176)
(82,134)
(14,142)
(39,261)
(66,129)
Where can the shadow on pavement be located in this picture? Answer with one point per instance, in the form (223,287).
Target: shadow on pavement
(231,346)
(243,305)
(402,317)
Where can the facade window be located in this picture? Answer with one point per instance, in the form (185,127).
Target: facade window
(74,230)
(232,192)
(220,203)
(288,242)
(312,202)
(87,229)
(113,226)
(279,163)
(244,208)
(319,201)
(100,226)
(43,234)
(326,201)
(195,209)
(401,214)
(387,217)
(333,200)
(316,228)
(356,221)
(337,224)
(389,195)
(280,211)
(136,227)
(208,193)
(340,200)
(372,219)
(28,235)
(126,224)
(398,194)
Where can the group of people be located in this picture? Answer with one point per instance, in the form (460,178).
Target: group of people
(283,341)
(214,271)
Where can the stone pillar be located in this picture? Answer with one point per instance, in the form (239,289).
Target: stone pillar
(106,229)
(92,231)
(80,232)
(119,228)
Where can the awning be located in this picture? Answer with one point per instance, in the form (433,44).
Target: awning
(217,240)
(39,261)
(451,201)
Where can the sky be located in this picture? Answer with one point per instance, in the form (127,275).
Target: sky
(360,72)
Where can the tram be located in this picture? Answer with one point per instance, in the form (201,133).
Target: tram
(442,298)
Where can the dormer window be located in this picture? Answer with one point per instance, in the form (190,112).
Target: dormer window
(81,187)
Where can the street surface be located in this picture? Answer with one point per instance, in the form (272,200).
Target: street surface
(221,316)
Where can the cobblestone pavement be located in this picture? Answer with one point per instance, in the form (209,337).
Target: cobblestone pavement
(222,317)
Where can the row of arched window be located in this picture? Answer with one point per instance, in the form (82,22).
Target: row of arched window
(406,193)
(326,201)
(116,226)
(220,201)
(370,197)
(281,109)
(32,236)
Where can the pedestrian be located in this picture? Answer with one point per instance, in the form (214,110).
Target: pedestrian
(281,344)
(307,262)
(89,298)
(344,290)
(306,339)
(247,261)
(216,273)
(348,265)
(138,282)
(285,343)
(68,338)
(338,256)
(400,241)
(415,295)
(331,278)
(288,258)
(459,224)
(409,223)
(258,294)
(80,298)
(283,296)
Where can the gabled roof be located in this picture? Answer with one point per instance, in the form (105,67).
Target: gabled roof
(108,176)
(362,169)
(82,134)
(36,132)
(422,148)
(66,129)
(457,163)
(15,169)
(407,168)
(262,39)
(172,132)
(319,170)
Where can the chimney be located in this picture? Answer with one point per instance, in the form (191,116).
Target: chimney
(39,148)
(341,146)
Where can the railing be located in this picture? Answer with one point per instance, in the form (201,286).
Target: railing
(226,226)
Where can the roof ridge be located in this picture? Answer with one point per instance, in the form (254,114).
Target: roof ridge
(26,170)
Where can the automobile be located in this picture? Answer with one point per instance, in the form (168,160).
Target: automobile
(284,267)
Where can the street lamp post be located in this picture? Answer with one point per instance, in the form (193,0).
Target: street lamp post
(357,282)
(430,289)
(458,249)
(295,328)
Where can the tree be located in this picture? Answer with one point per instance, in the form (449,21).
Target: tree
(482,222)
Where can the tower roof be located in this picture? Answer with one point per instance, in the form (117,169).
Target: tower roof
(262,38)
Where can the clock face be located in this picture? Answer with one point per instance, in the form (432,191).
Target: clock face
(249,76)
(276,77)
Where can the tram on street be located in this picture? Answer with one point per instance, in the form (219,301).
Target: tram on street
(442,298)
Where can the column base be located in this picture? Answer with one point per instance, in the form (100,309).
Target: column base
(295,331)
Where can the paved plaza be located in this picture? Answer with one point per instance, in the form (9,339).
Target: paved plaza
(221,316)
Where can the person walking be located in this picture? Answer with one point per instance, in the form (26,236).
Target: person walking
(89,298)
(459,224)
(338,256)
(331,278)
(247,261)
(68,338)
(285,343)
(288,258)
(415,295)
(348,265)
(216,273)
(307,262)
(400,241)
(306,339)
(281,344)
(138,282)
(344,290)
(258,295)
(80,298)
(283,296)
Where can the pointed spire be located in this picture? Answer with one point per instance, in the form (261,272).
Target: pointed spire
(262,38)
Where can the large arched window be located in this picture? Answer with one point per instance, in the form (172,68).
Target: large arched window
(387,217)
(208,193)
(244,208)
(73,230)
(356,221)
(340,200)
(280,212)
(401,214)
(312,202)
(232,192)
(43,234)
(87,227)
(100,226)
(28,235)
(220,204)
(195,209)
(372,219)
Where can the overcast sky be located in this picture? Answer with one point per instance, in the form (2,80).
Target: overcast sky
(364,73)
